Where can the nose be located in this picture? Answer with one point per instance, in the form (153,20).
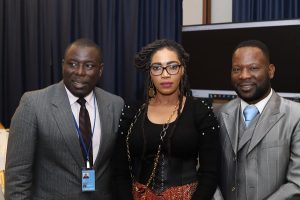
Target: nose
(80,70)
(245,74)
(164,73)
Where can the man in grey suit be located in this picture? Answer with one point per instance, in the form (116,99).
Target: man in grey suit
(44,155)
(260,157)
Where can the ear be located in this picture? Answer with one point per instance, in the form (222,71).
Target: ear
(271,71)
(182,70)
(101,69)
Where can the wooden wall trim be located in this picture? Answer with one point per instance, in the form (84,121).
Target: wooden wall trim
(206,12)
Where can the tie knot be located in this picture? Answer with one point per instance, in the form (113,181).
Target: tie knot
(81,101)
(249,113)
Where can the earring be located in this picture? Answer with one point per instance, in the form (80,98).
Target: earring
(151,91)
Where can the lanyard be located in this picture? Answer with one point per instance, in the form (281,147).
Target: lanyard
(86,151)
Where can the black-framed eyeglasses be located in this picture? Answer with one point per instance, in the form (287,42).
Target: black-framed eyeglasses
(157,69)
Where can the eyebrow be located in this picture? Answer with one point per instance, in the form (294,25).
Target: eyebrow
(247,65)
(85,61)
(170,62)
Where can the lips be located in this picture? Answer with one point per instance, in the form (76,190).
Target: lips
(78,84)
(246,86)
(166,84)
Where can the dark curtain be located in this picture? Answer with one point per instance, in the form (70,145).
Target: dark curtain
(262,10)
(34,34)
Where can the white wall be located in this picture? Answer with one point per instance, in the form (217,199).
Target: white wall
(221,11)
(192,11)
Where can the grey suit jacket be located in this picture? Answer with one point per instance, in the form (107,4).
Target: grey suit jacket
(272,170)
(44,159)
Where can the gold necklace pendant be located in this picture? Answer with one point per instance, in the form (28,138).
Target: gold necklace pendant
(173,113)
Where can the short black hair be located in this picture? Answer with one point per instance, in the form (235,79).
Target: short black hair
(254,43)
(85,42)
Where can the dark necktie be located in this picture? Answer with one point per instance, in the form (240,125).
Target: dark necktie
(249,113)
(85,129)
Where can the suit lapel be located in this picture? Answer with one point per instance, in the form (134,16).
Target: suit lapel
(269,117)
(105,113)
(231,124)
(63,116)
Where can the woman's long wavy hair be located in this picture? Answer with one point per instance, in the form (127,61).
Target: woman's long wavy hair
(143,61)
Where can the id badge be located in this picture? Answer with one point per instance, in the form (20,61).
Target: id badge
(88,180)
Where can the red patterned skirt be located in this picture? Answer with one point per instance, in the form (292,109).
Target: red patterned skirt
(183,192)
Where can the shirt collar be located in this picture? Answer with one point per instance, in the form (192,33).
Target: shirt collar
(260,105)
(73,99)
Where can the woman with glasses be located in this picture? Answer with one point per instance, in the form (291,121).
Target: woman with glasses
(168,146)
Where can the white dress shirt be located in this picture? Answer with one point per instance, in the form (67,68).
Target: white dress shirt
(92,109)
(259,105)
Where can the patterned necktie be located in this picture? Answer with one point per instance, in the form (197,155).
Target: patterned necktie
(249,113)
(85,129)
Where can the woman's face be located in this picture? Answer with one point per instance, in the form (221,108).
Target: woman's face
(166,71)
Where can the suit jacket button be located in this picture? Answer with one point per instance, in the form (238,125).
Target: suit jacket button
(233,189)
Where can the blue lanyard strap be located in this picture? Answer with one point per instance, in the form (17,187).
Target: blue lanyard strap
(86,151)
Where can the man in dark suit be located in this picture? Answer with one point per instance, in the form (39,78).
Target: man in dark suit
(44,156)
(260,156)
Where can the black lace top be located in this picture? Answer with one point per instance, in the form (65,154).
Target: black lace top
(195,138)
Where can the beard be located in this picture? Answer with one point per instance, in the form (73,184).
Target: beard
(258,93)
